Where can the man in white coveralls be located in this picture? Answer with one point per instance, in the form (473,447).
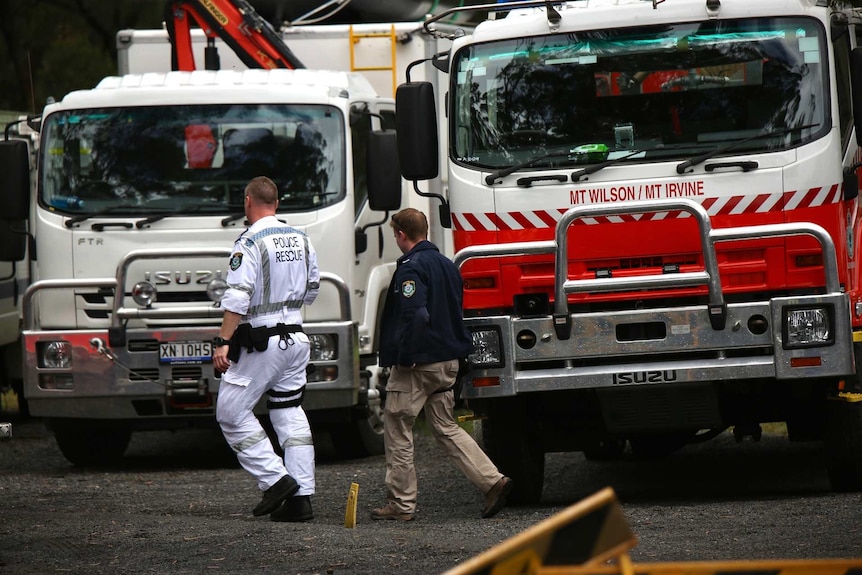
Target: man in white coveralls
(261,349)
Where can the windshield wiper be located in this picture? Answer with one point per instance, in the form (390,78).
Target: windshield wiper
(231,218)
(99,213)
(189,209)
(683,166)
(156,217)
(577,174)
(492,178)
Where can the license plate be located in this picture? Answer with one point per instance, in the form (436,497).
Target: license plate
(188,352)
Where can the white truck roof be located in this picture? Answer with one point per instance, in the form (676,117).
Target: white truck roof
(234,86)
(587,14)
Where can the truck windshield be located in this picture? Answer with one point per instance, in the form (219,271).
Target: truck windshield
(674,90)
(175,157)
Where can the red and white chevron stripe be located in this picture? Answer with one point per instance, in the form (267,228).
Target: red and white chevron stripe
(724,206)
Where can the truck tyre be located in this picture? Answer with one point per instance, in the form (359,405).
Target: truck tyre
(88,446)
(516,456)
(844,445)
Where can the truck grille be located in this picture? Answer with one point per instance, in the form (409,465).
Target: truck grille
(176,372)
(145,374)
(98,305)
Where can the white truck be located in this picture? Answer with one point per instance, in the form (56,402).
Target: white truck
(133,206)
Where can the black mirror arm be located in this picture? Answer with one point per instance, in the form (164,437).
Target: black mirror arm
(445,214)
(381,222)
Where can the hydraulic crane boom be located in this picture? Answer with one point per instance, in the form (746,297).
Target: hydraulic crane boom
(237,23)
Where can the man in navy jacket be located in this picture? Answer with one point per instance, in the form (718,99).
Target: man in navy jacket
(423,337)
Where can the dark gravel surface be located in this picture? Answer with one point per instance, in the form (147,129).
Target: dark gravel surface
(177,505)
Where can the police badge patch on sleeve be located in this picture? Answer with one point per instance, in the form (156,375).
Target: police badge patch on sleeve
(408,288)
(235,261)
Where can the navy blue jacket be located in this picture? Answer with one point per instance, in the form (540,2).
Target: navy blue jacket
(422,317)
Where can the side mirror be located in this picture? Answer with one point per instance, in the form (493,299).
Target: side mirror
(13,241)
(360,241)
(851,182)
(416,124)
(15,167)
(856,88)
(384,179)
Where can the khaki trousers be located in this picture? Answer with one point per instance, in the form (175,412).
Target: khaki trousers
(407,392)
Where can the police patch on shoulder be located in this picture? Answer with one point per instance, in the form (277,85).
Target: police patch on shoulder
(235,261)
(408,288)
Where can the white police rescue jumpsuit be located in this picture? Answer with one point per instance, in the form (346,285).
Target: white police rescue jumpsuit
(273,272)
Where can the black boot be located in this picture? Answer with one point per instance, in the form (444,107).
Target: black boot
(295,509)
(272,497)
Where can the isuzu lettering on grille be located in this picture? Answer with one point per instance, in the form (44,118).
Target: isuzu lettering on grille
(657,376)
(181,278)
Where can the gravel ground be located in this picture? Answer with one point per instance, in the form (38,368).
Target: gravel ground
(178,505)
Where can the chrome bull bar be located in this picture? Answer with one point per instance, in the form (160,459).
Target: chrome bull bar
(117,284)
(717,307)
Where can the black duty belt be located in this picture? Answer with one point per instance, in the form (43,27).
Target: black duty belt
(257,338)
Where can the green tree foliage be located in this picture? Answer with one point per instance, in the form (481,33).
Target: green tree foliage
(51,47)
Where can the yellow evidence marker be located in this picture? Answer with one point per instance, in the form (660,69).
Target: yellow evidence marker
(352,499)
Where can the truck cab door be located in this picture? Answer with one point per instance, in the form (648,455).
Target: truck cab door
(375,246)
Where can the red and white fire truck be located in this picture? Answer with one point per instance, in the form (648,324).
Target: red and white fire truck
(655,210)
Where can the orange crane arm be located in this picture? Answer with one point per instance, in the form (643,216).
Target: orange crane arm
(237,23)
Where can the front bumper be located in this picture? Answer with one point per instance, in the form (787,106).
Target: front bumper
(689,351)
(132,382)
(661,346)
(121,373)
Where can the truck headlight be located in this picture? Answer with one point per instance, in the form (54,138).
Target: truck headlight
(55,354)
(324,347)
(144,293)
(487,351)
(808,326)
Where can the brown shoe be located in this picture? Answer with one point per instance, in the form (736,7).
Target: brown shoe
(495,499)
(389,512)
